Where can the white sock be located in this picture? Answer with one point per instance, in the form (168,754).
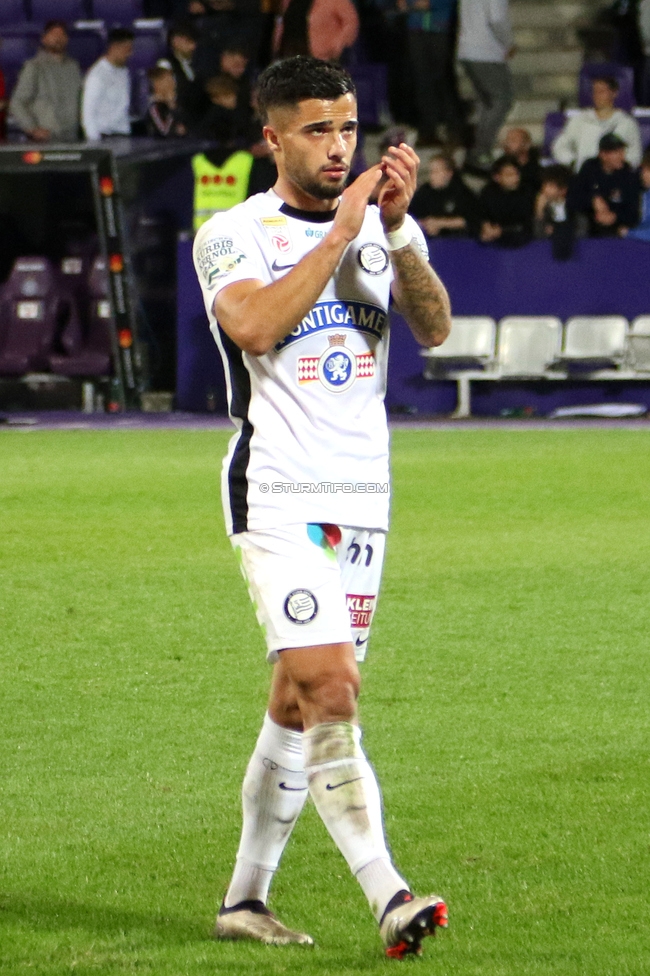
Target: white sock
(273,794)
(343,786)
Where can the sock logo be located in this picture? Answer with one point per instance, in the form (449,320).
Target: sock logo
(344,783)
(292,789)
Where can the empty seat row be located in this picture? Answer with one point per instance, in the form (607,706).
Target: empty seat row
(56,319)
(40,11)
(605,347)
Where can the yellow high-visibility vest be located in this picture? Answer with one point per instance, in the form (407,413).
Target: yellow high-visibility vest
(219,187)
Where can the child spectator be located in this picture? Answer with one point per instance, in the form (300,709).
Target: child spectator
(518,143)
(222,122)
(163,118)
(506,206)
(606,190)
(552,216)
(445,206)
(642,231)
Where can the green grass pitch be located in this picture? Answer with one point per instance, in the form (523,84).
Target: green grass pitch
(506,704)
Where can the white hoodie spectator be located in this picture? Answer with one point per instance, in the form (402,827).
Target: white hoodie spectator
(107,90)
(582,133)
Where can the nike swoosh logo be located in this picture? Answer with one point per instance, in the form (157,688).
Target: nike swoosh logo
(281,267)
(360,642)
(292,789)
(344,783)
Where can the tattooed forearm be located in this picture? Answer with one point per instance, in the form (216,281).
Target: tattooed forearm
(420,296)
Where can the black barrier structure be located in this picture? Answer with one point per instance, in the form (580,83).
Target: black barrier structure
(109,187)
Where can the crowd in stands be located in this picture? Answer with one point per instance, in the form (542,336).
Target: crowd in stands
(596,181)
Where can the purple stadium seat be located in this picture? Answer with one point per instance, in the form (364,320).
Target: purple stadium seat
(93,358)
(372,91)
(36,310)
(607,69)
(117,11)
(552,127)
(12,12)
(68,10)
(18,44)
(87,44)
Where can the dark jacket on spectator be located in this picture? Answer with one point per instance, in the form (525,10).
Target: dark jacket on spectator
(162,121)
(455,200)
(512,210)
(192,100)
(620,190)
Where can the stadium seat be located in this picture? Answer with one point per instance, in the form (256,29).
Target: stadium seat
(527,345)
(93,358)
(36,311)
(471,344)
(68,10)
(603,69)
(553,125)
(86,45)
(638,339)
(12,12)
(117,11)
(594,341)
(18,44)
(372,92)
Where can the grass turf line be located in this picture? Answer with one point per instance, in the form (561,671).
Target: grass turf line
(504,703)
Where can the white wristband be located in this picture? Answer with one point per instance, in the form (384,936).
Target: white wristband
(396,239)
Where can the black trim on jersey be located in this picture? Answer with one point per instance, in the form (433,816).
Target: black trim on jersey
(311,216)
(240,384)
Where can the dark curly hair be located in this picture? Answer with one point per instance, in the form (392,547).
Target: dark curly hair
(293,80)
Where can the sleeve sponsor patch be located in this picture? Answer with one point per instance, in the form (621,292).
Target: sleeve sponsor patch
(218,258)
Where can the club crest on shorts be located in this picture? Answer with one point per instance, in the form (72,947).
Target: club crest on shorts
(300,606)
(373,258)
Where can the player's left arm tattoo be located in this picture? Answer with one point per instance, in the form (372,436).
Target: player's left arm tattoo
(420,296)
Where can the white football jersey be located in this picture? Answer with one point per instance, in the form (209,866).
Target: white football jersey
(312,438)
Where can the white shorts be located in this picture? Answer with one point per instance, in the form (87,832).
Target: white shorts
(312,584)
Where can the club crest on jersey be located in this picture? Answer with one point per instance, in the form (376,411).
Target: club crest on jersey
(337,367)
(217,258)
(373,258)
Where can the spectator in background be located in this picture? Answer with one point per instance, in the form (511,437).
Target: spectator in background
(518,143)
(322,28)
(606,190)
(582,133)
(642,231)
(430,31)
(484,46)
(234,63)
(107,89)
(190,94)
(222,122)
(45,101)
(644,31)
(553,218)
(506,206)
(3,106)
(163,118)
(445,206)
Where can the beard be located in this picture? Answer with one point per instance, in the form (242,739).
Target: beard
(316,185)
